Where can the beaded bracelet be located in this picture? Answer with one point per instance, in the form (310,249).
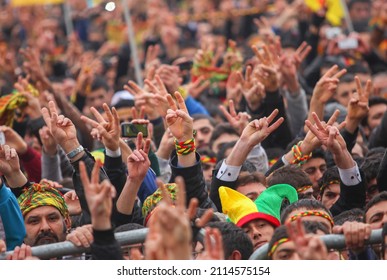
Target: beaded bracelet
(185,148)
(299,157)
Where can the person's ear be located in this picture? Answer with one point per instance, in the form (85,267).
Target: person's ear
(67,224)
(235,255)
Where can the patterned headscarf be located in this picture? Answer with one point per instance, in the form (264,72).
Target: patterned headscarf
(11,102)
(42,195)
(154,199)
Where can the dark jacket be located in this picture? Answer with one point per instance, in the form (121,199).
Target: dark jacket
(194,181)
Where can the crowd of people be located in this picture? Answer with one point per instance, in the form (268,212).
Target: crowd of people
(262,122)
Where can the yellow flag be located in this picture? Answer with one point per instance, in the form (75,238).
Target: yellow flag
(335,12)
(19,3)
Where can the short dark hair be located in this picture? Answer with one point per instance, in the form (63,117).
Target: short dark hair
(246,177)
(222,128)
(330,175)
(373,100)
(291,175)
(375,200)
(308,204)
(99,82)
(223,149)
(128,227)
(353,2)
(370,166)
(353,215)
(204,117)
(234,238)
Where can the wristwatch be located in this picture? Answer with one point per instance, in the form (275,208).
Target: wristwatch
(76,151)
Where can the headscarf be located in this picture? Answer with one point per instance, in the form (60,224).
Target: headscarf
(42,195)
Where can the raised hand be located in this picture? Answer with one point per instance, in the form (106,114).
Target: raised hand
(14,140)
(195,89)
(174,223)
(61,128)
(108,131)
(32,109)
(213,245)
(327,85)
(48,141)
(138,162)
(308,246)
(99,196)
(178,120)
(33,66)
(72,202)
(267,70)
(300,54)
(143,98)
(9,161)
(328,135)
(259,130)
(234,86)
(160,96)
(358,105)
(237,120)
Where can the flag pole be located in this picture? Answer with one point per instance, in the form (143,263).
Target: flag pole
(348,20)
(132,43)
(67,18)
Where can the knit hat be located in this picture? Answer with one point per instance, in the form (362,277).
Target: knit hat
(154,199)
(42,195)
(241,210)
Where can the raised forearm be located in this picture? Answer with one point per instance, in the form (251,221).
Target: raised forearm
(127,198)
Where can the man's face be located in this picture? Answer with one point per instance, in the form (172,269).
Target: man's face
(259,231)
(204,131)
(372,189)
(315,168)
(376,216)
(45,225)
(207,171)
(344,93)
(286,251)
(251,190)
(360,11)
(331,195)
(96,99)
(375,115)
(223,139)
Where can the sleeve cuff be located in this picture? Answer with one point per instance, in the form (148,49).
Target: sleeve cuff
(350,176)
(113,154)
(228,173)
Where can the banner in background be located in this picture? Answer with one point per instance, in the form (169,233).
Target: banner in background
(335,11)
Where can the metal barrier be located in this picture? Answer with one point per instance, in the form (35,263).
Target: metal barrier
(67,248)
(332,241)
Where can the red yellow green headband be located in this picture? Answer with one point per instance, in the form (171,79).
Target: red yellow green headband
(276,244)
(304,188)
(207,159)
(313,213)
